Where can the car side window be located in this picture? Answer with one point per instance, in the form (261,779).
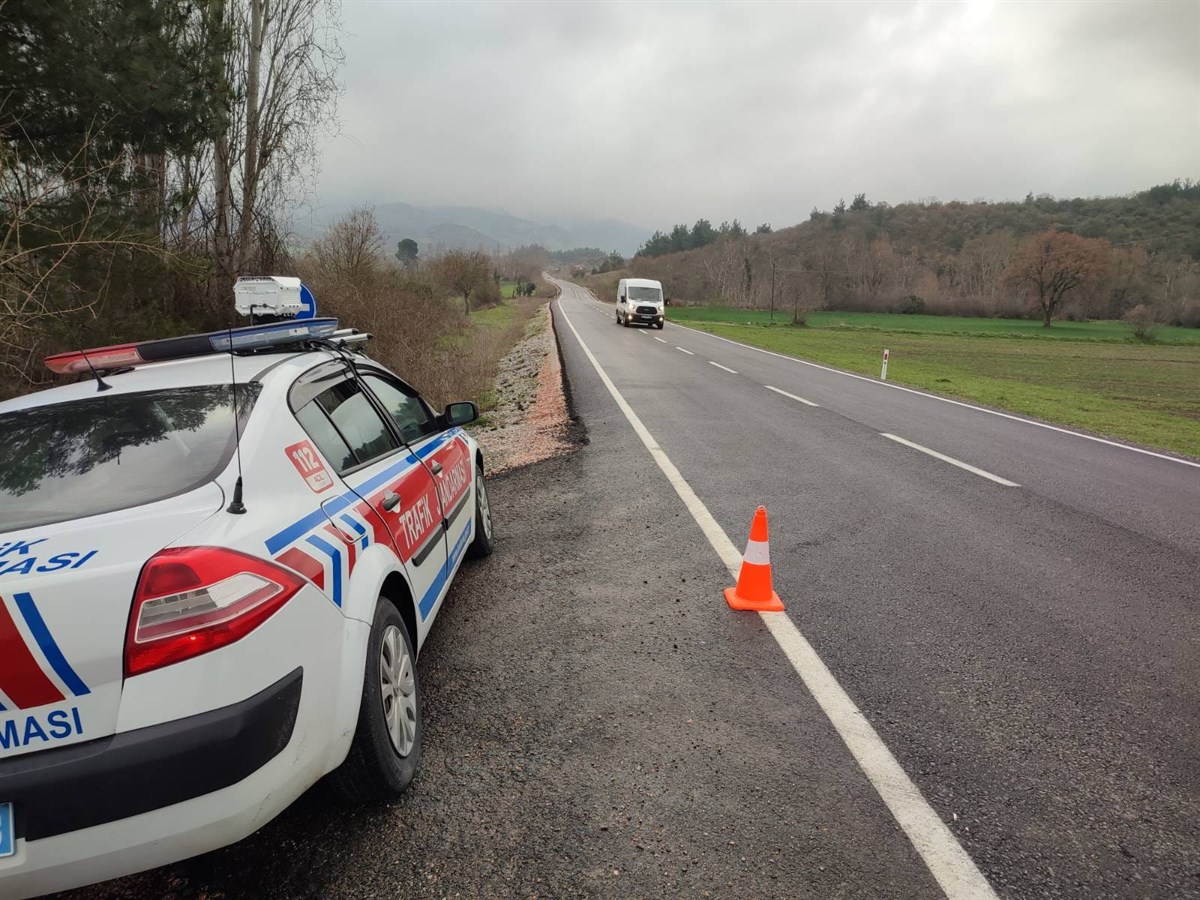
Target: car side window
(411,416)
(361,427)
(331,444)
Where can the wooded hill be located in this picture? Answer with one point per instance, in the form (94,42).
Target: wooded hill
(952,258)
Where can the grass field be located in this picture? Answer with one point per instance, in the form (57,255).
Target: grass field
(902,324)
(1088,375)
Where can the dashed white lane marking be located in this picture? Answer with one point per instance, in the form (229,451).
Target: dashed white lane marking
(982,409)
(688,352)
(660,340)
(950,459)
(792,396)
(948,862)
(719,366)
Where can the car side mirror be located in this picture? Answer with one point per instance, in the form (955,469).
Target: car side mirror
(462,413)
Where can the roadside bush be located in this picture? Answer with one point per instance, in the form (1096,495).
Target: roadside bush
(912,304)
(1142,322)
(486,294)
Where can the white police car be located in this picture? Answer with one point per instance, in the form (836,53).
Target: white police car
(188,641)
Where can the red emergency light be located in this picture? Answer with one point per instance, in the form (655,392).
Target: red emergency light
(255,337)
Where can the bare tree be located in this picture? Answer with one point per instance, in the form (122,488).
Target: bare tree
(352,246)
(282,64)
(463,271)
(1053,264)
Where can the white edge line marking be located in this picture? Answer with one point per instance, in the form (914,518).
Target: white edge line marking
(660,340)
(982,409)
(954,462)
(948,862)
(724,368)
(688,352)
(793,396)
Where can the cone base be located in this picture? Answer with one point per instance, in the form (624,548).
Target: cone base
(774,604)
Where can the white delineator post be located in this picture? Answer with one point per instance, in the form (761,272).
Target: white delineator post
(883,374)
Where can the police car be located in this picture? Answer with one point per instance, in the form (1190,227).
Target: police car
(219,555)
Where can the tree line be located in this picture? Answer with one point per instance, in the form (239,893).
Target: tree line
(1102,258)
(701,234)
(149,152)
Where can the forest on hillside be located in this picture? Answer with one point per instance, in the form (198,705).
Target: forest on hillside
(1140,252)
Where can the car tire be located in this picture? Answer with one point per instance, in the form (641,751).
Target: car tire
(484,541)
(386,750)
(618,317)
(660,326)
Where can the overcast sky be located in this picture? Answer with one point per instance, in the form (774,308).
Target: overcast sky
(661,112)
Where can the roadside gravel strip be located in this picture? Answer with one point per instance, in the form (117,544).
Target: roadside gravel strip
(530,420)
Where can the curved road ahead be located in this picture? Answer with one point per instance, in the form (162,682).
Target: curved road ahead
(1014,612)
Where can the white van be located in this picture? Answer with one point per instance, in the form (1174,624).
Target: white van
(640,301)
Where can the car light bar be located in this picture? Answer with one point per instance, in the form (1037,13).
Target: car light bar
(254,337)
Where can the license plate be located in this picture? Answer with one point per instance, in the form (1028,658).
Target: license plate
(8,836)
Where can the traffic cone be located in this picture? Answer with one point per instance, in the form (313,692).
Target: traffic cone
(753,589)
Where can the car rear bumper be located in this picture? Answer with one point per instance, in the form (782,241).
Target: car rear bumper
(124,775)
(167,793)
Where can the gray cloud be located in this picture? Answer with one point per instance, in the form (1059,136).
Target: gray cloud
(662,112)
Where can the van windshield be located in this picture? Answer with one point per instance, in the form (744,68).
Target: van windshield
(638,292)
(70,460)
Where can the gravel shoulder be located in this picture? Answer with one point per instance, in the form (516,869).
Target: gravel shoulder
(530,421)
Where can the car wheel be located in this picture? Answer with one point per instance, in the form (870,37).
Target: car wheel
(387,742)
(660,326)
(618,316)
(484,543)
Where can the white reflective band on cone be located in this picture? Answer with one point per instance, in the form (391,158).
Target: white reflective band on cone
(757,553)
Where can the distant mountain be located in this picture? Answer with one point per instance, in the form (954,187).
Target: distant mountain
(470,227)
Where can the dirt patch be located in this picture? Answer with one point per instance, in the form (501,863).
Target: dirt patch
(531,420)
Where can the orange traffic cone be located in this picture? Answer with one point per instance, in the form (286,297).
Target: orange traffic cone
(753,589)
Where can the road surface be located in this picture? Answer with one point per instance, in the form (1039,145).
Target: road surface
(1016,615)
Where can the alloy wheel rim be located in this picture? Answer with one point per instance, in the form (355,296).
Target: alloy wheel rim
(485,508)
(398,690)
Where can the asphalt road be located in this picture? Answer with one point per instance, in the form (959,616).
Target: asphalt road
(599,724)
(1030,653)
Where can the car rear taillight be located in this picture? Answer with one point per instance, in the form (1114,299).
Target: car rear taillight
(190,600)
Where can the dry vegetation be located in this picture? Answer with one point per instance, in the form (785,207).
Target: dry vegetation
(418,314)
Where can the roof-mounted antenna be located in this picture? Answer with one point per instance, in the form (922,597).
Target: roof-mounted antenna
(236,506)
(101,384)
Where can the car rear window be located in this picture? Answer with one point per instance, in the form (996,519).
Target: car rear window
(71,460)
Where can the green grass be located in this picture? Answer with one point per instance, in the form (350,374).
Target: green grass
(508,289)
(497,316)
(919,324)
(1097,380)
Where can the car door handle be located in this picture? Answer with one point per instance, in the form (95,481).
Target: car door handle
(391,500)
(435,467)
